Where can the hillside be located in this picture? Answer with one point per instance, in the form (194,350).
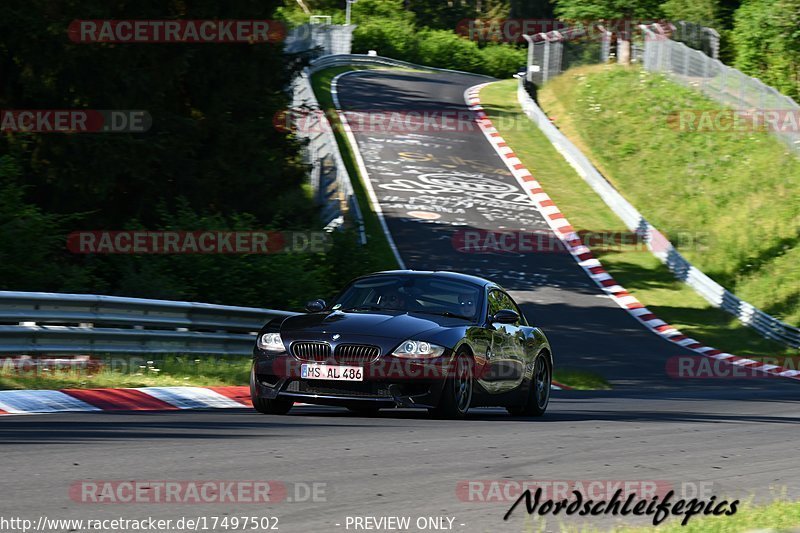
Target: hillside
(729,201)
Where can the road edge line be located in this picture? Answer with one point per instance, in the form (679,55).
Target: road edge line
(362,168)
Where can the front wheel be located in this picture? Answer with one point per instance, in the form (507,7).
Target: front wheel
(457,393)
(272,407)
(263,405)
(538,396)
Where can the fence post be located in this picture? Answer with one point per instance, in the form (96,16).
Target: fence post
(546,61)
(686,58)
(529,73)
(723,84)
(558,49)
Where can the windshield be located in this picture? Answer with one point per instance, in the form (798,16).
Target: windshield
(412,294)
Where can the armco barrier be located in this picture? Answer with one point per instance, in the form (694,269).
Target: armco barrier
(37,322)
(659,245)
(341,60)
(329,178)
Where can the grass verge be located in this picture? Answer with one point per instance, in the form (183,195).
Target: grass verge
(638,270)
(377,245)
(580,379)
(132,371)
(176,370)
(737,194)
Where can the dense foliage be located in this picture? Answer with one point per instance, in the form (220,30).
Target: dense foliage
(767,39)
(760,37)
(212,159)
(384,26)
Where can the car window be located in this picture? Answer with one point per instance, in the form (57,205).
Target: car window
(412,294)
(508,303)
(495,302)
(499,300)
(522,319)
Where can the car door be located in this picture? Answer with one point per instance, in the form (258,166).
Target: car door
(517,359)
(504,355)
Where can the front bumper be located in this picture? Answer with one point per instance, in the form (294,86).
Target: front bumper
(388,382)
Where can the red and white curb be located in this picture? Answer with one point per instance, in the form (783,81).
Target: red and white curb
(19,402)
(591,265)
(14,402)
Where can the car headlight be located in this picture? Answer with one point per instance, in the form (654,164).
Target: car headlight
(270,342)
(418,350)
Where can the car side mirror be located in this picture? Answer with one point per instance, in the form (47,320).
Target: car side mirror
(315,306)
(505,316)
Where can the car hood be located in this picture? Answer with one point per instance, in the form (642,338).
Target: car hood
(359,327)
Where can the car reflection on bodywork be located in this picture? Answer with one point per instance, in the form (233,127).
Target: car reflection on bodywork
(442,341)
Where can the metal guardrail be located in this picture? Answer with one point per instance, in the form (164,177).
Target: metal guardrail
(38,322)
(659,245)
(329,179)
(341,60)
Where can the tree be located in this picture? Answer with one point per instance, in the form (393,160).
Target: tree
(622,13)
(213,158)
(704,12)
(767,40)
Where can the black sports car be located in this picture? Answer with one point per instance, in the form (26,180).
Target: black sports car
(437,340)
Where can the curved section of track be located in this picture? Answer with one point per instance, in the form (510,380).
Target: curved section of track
(437,184)
(736,438)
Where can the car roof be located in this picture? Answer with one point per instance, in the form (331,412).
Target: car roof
(443,274)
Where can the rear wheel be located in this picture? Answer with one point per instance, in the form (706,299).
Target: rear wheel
(457,393)
(538,396)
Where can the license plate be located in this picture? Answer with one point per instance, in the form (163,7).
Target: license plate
(334,372)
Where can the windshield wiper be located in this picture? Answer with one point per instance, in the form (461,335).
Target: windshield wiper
(448,314)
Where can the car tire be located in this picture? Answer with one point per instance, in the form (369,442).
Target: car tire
(458,388)
(264,405)
(538,396)
(272,407)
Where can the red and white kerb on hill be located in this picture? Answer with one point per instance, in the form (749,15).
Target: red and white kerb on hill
(590,264)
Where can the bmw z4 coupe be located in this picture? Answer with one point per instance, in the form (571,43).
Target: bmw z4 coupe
(442,341)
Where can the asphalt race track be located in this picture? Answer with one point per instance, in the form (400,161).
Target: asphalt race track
(737,438)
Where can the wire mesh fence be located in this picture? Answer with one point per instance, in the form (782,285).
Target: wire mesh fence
(551,53)
(320,38)
(698,37)
(757,105)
